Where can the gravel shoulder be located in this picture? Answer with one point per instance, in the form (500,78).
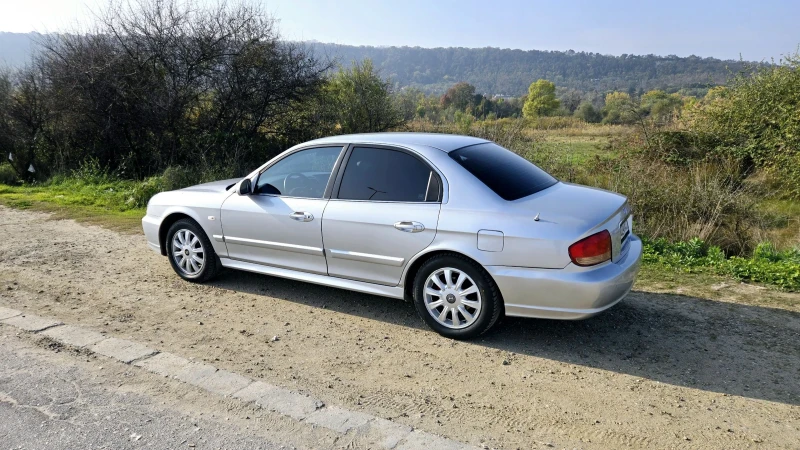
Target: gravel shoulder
(659,370)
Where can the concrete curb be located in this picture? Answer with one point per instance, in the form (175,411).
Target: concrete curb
(380,432)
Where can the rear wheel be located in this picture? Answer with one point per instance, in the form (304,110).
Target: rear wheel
(190,252)
(456,297)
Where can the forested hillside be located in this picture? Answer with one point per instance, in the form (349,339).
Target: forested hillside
(497,71)
(16,48)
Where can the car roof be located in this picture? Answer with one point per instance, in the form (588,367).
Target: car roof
(443,142)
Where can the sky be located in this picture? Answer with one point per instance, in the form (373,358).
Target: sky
(755,30)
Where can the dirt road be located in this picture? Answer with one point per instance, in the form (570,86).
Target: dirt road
(659,370)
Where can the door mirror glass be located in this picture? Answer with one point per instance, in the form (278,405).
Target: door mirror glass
(380,174)
(245,187)
(304,173)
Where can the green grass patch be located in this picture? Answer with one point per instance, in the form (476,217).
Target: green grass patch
(112,205)
(579,150)
(767,265)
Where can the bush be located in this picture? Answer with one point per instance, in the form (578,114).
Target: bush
(701,200)
(7,175)
(755,120)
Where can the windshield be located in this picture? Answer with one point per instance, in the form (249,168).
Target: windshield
(509,175)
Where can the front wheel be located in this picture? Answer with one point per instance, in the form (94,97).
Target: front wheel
(456,297)
(190,252)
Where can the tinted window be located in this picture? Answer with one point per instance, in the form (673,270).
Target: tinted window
(301,174)
(509,175)
(386,175)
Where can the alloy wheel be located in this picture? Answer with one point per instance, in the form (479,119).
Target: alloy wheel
(188,252)
(452,298)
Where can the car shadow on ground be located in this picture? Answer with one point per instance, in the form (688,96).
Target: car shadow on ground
(729,348)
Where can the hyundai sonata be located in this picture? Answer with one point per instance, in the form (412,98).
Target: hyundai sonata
(465,229)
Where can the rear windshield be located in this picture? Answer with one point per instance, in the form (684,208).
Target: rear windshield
(509,175)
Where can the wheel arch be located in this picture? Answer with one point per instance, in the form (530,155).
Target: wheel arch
(415,264)
(167,222)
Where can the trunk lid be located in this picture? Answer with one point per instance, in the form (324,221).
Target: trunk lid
(571,212)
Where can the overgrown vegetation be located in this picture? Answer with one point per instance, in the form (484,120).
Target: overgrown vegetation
(168,94)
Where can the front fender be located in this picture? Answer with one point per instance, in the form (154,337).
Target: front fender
(159,218)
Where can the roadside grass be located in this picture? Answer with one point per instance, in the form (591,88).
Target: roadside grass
(767,265)
(783,225)
(102,205)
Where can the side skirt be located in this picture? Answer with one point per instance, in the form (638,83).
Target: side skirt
(325,280)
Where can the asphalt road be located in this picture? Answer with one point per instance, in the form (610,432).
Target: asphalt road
(66,400)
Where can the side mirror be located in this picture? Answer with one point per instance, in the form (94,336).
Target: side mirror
(245,187)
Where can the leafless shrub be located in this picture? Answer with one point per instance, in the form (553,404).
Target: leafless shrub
(156,83)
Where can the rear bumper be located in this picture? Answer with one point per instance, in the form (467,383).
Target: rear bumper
(570,293)
(150,225)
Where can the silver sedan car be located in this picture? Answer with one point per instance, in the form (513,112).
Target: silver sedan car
(465,229)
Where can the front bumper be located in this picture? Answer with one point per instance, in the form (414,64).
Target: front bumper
(570,293)
(150,225)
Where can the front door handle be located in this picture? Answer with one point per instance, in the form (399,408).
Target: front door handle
(409,227)
(301,216)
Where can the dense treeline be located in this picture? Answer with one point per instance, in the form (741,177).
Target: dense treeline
(495,71)
(461,103)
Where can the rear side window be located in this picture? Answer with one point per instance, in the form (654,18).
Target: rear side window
(509,175)
(387,175)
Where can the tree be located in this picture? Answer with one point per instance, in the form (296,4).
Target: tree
(363,100)
(660,106)
(587,113)
(619,109)
(170,82)
(541,99)
(571,100)
(409,100)
(460,96)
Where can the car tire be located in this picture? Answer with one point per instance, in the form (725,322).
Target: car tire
(433,295)
(184,250)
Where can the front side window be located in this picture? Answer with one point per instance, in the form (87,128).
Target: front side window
(301,174)
(509,175)
(388,175)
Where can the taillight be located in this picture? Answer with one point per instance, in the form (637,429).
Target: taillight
(591,250)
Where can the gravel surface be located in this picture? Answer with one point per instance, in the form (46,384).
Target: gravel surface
(658,370)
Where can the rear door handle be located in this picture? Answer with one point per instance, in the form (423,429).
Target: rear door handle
(409,227)
(301,216)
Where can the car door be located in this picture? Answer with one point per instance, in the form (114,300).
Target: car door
(384,210)
(280,222)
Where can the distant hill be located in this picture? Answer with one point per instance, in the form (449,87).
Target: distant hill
(496,71)
(16,48)
(509,72)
